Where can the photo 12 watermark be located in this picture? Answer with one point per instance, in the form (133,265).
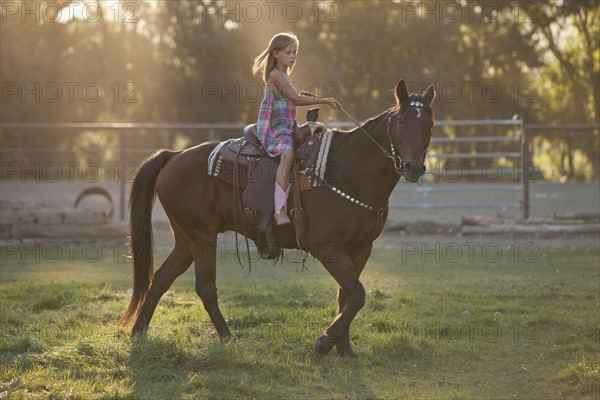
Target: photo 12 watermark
(69,92)
(254,92)
(473,171)
(492,332)
(476,92)
(68,171)
(61,12)
(488,12)
(469,252)
(251,12)
(66,251)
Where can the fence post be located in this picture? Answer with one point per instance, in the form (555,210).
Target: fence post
(121,175)
(525,160)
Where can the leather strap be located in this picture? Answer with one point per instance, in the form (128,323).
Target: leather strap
(297,210)
(237,202)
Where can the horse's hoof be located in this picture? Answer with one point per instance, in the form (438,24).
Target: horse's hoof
(324,345)
(138,336)
(227,338)
(348,353)
(138,332)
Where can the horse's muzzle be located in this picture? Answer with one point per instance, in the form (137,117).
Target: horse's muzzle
(413,171)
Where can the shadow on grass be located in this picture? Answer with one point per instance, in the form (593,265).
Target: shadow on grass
(167,368)
(343,377)
(157,367)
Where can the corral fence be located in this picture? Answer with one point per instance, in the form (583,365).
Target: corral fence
(464,156)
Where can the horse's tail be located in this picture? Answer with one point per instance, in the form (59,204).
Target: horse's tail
(141,201)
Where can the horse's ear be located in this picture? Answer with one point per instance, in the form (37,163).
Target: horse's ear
(401,92)
(429,94)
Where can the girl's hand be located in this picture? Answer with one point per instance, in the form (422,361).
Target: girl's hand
(333,103)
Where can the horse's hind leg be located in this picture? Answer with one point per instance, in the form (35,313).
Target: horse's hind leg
(176,263)
(205,261)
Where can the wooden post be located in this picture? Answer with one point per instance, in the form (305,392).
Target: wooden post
(525,168)
(121,175)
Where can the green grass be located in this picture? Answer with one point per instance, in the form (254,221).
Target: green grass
(468,329)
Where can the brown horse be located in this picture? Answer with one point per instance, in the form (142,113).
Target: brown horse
(365,163)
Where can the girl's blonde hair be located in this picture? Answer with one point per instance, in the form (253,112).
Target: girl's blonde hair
(265,60)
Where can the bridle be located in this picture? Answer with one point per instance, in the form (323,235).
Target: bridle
(395,157)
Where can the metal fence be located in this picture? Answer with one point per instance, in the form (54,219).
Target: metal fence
(475,146)
(128,156)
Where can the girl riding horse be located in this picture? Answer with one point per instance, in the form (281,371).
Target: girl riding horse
(277,115)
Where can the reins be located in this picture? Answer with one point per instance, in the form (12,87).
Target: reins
(396,159)
(366,133)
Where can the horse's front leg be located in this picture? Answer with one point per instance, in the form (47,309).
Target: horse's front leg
(343,346)
(359,258)
(342,269)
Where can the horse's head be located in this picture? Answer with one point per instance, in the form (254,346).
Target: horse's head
(410,127)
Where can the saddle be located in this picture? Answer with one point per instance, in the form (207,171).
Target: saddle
(247,150)
(254,171)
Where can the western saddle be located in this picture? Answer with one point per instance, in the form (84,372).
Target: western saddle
(247,166)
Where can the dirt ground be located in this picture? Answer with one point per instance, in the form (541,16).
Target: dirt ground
(546,199)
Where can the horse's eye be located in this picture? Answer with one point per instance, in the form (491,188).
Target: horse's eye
(400,120)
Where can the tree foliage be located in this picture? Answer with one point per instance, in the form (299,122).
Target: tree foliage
(190,60)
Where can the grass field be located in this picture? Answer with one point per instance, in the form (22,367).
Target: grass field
(524,326)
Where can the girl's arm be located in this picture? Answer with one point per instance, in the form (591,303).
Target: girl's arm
(323,100)
(282,81)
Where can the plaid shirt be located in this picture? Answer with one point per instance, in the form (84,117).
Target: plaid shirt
(276,121)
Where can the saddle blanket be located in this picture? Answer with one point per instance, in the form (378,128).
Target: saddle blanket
(215,161)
